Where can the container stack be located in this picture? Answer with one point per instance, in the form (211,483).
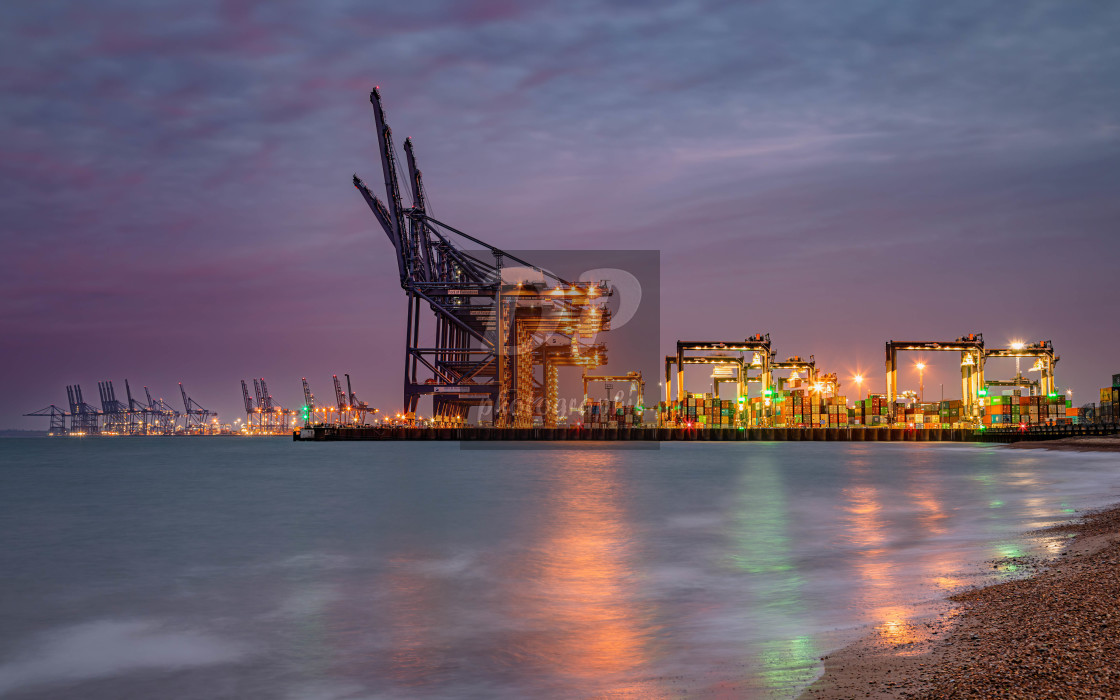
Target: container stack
(699,411)
(1015,409)
(1110,402)
(610,414)
(872,410)
(805,410)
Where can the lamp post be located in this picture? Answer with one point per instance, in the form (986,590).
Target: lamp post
(858,379)
(921,383)
(1017,345)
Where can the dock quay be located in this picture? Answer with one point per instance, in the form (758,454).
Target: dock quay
(651,434)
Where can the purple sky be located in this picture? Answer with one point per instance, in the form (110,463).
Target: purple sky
(176,201)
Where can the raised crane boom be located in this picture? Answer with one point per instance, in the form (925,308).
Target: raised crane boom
(267,396)
(196,418)
(246,398)
(339,397)
(57,417)
(308,397)
(487,335)
(392,187)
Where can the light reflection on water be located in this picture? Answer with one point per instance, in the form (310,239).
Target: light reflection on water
(577,593)
(417,570)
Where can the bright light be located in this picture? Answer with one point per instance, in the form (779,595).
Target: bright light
(1017,345)
(858,379)
(920,366)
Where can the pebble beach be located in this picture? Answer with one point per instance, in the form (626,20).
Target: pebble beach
(1055,634)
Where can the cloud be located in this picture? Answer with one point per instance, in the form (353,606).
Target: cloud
(202,152)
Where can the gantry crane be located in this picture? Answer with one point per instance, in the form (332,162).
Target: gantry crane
(971,348)
(633,378)
(57,417)
(723,354)
(1045,359)
(488,334)
(794,365)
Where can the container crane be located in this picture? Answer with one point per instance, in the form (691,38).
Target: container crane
(488,335)
(1045,359)
(971,349)
(58,416)
(360,408)
(115,413)
(84,419)
(340,399)
(633,378)
(196,419)
(794,365)
(137,413)
(722,353)
(164,414)
(308,403)
(274,414)
(250,410)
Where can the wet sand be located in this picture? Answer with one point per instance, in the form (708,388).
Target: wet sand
(1053,635)
(1103,443)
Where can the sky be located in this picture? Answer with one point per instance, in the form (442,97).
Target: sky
(176,206)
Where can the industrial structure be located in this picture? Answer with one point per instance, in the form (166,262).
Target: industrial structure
(266,416)
(489,333)
(130,417)
(814,400)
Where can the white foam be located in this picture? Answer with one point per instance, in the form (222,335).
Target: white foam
(112,647)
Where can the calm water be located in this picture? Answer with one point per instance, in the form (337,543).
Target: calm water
(236,568)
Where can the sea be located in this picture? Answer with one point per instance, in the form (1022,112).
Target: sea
(264,568)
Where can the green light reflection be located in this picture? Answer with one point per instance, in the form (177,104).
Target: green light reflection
(761,550)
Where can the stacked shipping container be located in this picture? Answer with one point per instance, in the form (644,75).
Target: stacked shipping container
(1015,409)
(700,411)
(1110,402)
(610,414)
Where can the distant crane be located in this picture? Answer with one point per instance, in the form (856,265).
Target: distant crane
(83,417)
(115,412)
(266,396)
(196,419)
(58,419)
(248,404)
(272,411)
(361,408)
(308,403)
(137,413)
(340,398)
(164,415)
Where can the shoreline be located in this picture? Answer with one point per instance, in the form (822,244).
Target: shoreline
(1055,633)
(1103,443)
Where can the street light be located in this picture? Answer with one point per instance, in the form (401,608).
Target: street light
(1017,345)
(858,379)
(921,384)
